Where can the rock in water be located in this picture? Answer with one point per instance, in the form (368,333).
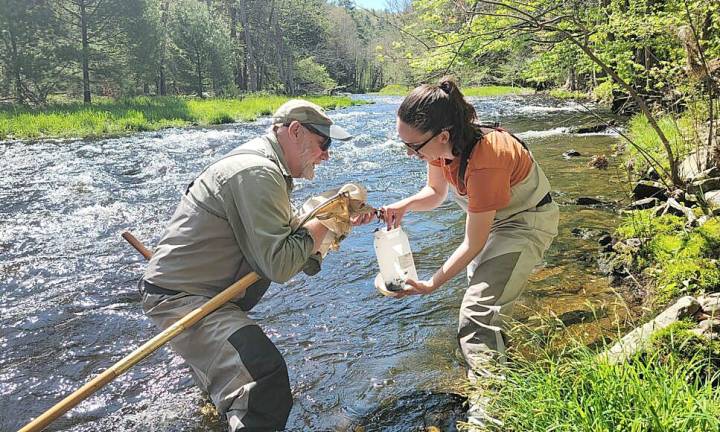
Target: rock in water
(571,154)
(415,412)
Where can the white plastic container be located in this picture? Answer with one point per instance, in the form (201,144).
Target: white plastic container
(395,260)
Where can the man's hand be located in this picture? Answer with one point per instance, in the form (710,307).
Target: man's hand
(317,231)
(362,219)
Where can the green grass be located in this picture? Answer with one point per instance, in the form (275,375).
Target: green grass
(116,117)
(681,132)
(394,90)
(566,94)
(575,391)
(484,91)
(645,137)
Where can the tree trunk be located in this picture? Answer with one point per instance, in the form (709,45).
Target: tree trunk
(252,75)
(19,94)
(237,63)
(198,65)
(85,53)
(571,82)
(161,85)
(291,73)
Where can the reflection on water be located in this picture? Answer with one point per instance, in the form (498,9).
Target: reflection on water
(69,306)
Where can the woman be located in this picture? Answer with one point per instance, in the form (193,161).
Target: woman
(511,219)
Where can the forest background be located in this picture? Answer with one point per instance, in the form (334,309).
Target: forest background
(652,57)
(224,48)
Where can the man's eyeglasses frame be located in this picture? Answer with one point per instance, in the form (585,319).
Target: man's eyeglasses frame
(325,145)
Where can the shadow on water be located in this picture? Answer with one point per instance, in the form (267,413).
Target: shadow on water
(70,309)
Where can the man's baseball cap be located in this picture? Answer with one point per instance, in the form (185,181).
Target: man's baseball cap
(308,113)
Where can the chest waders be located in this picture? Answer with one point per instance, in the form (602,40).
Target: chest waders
(520,234)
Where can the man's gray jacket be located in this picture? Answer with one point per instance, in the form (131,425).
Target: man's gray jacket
(233,219)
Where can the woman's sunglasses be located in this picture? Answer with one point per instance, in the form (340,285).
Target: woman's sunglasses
(416,147)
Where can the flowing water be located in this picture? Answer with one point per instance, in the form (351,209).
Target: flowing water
(70,308)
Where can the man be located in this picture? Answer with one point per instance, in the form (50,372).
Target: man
(234,218)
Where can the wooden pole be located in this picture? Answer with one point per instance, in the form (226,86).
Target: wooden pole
(137,244)
(145,350)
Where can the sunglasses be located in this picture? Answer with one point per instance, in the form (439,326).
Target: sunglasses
(416,147)
(325,144)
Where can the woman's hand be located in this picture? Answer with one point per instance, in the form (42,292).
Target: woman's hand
(413,287)
(393,214)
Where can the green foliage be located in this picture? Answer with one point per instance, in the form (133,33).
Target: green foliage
(312,77)
(689,275)
(201,46)
(483,91)
(603,92)
(643,224)
(32,56)
(578,392)
(495,91)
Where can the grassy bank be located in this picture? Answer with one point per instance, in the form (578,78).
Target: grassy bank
(115,117)
(674,258)
(658,390)
(484,91)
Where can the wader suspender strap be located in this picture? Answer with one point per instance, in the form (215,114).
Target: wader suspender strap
(465,156)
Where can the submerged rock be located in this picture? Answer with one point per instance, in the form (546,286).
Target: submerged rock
(415,412)
(571,154)
(599,162)
(589,201)
(580,316)
(605,242)
(587,233)
(592,128)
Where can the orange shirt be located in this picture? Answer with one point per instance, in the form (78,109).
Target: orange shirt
(497,163)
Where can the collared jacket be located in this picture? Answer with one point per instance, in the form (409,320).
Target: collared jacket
(234,218)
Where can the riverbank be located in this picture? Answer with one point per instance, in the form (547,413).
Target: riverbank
(667,245)
(483,91)
(123,116)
